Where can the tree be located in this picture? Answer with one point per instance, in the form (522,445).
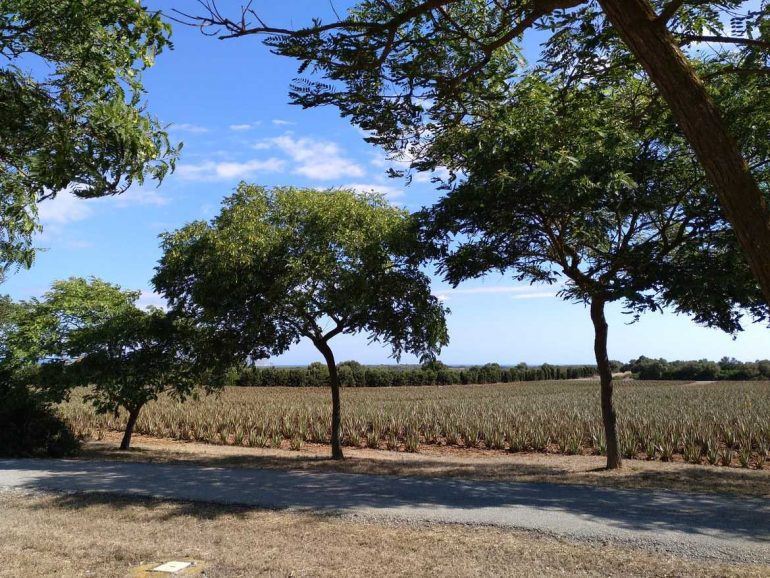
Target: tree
(87,332)
(29,424)
(406,70)
(282,264)
(70,108)
(593,187)
(133,358)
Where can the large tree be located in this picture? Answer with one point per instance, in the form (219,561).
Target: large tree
(71,111)
(278,265)
(593,189)
(407,69)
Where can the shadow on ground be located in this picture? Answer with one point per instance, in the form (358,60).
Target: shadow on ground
(703,479)
(433,499)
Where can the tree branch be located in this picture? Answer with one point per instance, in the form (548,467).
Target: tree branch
(669,10)
(688,38)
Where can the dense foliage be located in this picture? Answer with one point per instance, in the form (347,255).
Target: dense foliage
(699,370)
(408,71)
(353,374)
(591,188)
(30,426)
(29,421)
(71,110)
(87,332)
(282,264)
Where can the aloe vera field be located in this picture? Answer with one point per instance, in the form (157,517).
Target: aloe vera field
(717,423)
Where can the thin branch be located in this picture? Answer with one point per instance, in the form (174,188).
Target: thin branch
(336,331)
(688,38)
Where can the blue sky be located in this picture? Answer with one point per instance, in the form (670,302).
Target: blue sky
(227,101)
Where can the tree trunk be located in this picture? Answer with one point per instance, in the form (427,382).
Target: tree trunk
(133,414)
(334,381)
(605,376)
(739,195)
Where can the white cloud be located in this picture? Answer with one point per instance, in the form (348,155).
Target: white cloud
(535,295)
(279,122)
(424,177)
(314,158)
(151,299)
(403,162)
(187,127)
(57,214)
(139,197)
(515,291)
(244,126)
(389,191)
(228,170)
(64,208)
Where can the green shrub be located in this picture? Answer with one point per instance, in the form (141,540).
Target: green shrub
(29,427)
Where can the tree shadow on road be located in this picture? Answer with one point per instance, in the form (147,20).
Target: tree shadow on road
(433,499)
(552,469)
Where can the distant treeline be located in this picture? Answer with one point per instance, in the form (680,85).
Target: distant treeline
(701,370)
(353,374)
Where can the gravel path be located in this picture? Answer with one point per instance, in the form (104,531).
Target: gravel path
(725,528)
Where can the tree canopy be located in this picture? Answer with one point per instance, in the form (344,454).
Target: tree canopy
(91,333)
(71,108)
(277,265)
(592,188)
(406,70)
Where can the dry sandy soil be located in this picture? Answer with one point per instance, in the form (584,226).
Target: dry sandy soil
(433,461)
(63,535)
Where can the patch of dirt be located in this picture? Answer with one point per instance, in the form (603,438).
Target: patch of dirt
(435,461)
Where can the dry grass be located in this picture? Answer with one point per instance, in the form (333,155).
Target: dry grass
(450,462)
(62,535)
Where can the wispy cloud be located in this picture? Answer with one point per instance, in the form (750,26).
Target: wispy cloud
(151,299)
(314,158)
(515,291)
(279,122)
(139,196)
(228,170)
(403,162)
(244,126)
(188,127)
(535,295)
(58,214)
(63,209)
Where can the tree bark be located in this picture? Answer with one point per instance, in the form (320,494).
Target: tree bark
(334,382)
(133,414)
(718,153)
(605,376)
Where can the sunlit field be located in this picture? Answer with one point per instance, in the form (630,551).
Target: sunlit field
(725,423)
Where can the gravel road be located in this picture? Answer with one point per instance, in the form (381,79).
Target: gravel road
(725,528)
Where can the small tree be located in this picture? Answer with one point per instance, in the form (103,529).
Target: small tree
(282,264)
(133,358)
(593,187)
(95,335)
